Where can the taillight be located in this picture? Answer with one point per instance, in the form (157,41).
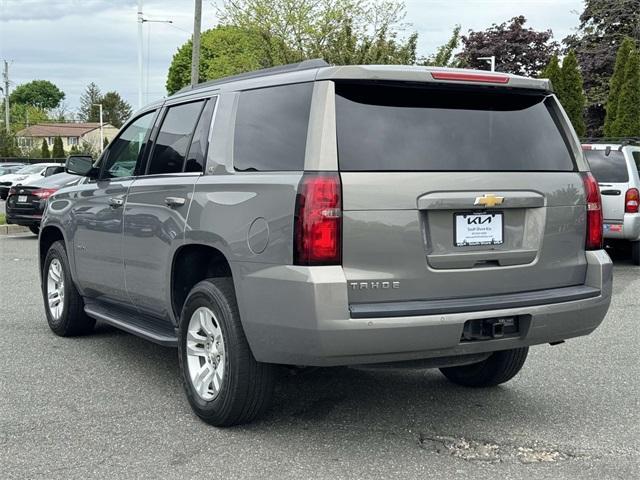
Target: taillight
(44,193)
(594,213)
(318,221)
(631,201)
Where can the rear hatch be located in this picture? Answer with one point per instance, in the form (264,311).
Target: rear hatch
(611,171)
(453,192)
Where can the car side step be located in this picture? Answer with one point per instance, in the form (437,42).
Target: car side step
(139,326)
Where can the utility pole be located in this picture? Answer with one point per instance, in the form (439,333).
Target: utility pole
(195,53)
(140,21)
(490,60)
(101,127)
(5,76)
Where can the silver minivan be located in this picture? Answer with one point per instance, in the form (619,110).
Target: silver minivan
(317,215)
(616,169)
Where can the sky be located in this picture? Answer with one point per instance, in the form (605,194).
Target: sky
(74,42)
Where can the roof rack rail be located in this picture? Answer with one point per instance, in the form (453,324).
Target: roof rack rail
(620,140)
(292,67)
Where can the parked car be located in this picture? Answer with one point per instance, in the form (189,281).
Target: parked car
(10,167)
(616,169)
(311,215)
(25,203)
(27,175)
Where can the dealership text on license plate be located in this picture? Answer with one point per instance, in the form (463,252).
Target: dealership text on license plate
(22,199)
(478,229)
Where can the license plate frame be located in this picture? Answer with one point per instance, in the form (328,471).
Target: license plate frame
(475,237)
(22,199)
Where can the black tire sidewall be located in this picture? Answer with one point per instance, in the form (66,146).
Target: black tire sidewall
(206,295)
(57,251)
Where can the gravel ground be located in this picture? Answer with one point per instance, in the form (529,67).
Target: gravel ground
(110,406)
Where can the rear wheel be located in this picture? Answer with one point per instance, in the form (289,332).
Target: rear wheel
(499,368)
(635,253)
(34,229)
(224,383)
(63,304)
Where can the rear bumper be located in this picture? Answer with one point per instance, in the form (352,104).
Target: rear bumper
(300,315)
(24,220)
(627,229)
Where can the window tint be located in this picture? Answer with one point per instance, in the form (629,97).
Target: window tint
(124,151)
(197,157)
(389,127)
(610,168)
(174,137)
(271,128)
(636,159)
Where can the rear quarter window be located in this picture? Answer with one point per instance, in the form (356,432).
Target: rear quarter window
(387,127)
(271,128)
(610,168)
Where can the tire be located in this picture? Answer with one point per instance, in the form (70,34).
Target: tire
(69,320)
(245,386)
(499,368)
(635,253)
(35,229)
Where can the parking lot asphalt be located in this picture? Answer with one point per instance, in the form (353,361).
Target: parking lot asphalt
(110,405)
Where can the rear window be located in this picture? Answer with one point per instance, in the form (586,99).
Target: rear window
(403,128)
(271,128)
(610,168)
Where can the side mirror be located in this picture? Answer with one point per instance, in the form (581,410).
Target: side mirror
(80,165)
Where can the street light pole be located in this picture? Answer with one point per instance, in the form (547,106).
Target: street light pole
(140,20)
(491,60)
(101,127)
(195,52)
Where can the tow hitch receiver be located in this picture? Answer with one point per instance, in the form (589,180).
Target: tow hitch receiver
(490,328)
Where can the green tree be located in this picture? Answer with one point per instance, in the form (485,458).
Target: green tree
(604,24)
(627,123)
(224,50)
(554,73)
(90,97)
(572,93)
(8,145)
(58,149)
(340,31)
(444,56)
(115,109)
(23,115)
(44,150)
(37,93)
(615,84)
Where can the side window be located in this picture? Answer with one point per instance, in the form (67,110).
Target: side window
(174,137)
(124,151)
(197,157)
(636,158)
(271,128)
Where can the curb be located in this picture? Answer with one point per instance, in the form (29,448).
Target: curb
(13,229)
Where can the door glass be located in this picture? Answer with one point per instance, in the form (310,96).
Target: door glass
(125,150)
(636,158)
(196,159)
(174,138)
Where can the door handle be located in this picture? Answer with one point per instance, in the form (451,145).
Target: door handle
(610,192)
(174,201)
(116,202)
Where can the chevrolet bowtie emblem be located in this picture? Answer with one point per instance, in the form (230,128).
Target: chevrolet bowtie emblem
(489,200)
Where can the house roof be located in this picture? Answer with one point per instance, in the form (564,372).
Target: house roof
(60,129)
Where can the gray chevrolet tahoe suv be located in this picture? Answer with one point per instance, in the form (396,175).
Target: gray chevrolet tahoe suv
(314,215)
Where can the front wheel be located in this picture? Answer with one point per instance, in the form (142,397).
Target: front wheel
(224,383)
(499,368)
(62,302)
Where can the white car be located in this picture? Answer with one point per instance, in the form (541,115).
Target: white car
(28,174)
